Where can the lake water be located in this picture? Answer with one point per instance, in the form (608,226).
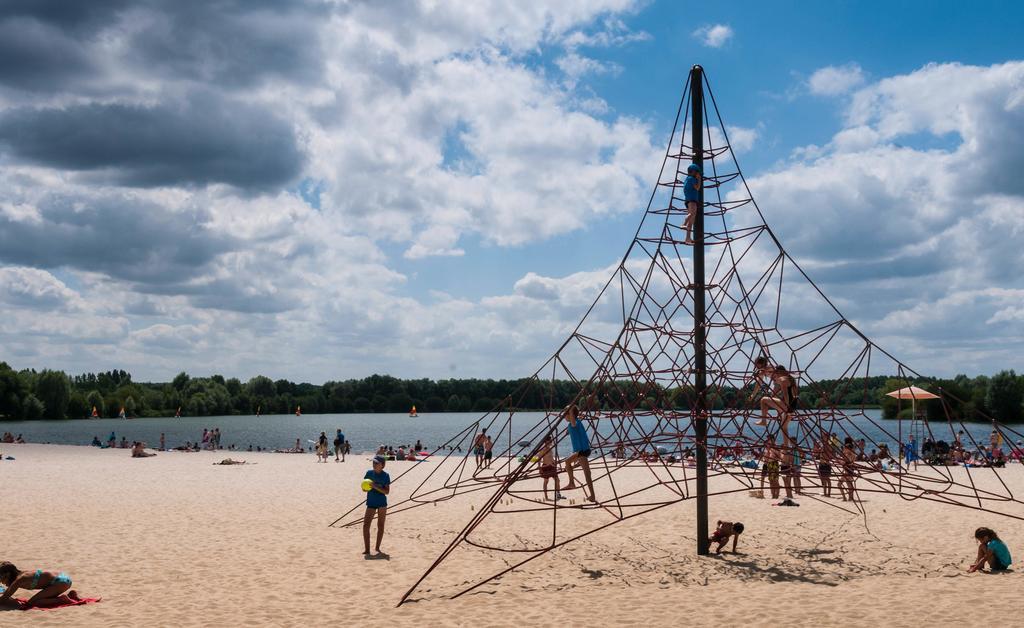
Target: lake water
(365,431)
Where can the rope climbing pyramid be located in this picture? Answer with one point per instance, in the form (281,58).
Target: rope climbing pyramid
(708,361)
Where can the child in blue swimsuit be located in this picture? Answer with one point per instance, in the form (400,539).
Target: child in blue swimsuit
(991,550)
(52,587)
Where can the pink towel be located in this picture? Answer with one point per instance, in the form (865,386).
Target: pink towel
(23,604)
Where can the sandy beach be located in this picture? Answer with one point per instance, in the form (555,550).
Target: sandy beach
(175,540)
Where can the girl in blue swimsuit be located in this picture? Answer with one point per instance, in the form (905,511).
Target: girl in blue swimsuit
(52,587)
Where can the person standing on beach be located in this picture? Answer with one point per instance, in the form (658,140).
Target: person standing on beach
(163,442)
(548,466)
(849,461)
(488,451)
(691,195)
(478,447)
(376,504)
(823,456)
(321,448)
(339,446)
(580,452)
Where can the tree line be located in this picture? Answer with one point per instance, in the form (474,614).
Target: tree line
(50,394)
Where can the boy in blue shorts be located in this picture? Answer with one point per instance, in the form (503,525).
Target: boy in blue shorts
(691,195)
(580,451)
(376,504)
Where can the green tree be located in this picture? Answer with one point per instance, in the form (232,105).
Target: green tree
(454,404)
(54,390)
(129,405)
(78,407)
(95,400)
(399,402)
(261,387)
(1004,397)
(33,408)
(12,392)
(180,380)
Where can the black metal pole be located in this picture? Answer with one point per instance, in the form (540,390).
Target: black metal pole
(700,422)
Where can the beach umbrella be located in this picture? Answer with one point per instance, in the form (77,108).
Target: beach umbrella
(913,393)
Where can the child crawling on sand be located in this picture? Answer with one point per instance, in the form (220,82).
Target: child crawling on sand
(722,534)
(54,589)
(991,550)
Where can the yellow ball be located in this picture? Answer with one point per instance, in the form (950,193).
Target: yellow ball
(367,485)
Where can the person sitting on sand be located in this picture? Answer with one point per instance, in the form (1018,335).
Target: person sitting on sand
(721,536)
(96,441)
(19,440)
(112,441)
(139,450)
(991,550)
(580,451)
(124,443)
(54,589)
(548,466)
(376,504)
(228,462)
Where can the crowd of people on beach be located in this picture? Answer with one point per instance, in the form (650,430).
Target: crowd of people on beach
(939,452)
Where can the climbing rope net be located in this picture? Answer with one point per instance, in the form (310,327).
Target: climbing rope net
(630,363)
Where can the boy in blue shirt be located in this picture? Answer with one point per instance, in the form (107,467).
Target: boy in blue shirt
(580,451)
(991,550)
(376,503)
(691,195)
(339,446)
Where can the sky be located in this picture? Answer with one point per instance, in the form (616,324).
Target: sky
(318,190)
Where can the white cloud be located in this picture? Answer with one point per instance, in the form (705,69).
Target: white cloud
(921,243)
(714,35)
(836,80)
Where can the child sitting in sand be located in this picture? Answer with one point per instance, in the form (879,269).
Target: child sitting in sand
(139,450)
(991,550)
(722,534)
(52,587)
(548,466)
(376,504)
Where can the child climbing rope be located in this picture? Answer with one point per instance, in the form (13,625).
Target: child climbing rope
(581,451)
(548,466)
(691,195)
